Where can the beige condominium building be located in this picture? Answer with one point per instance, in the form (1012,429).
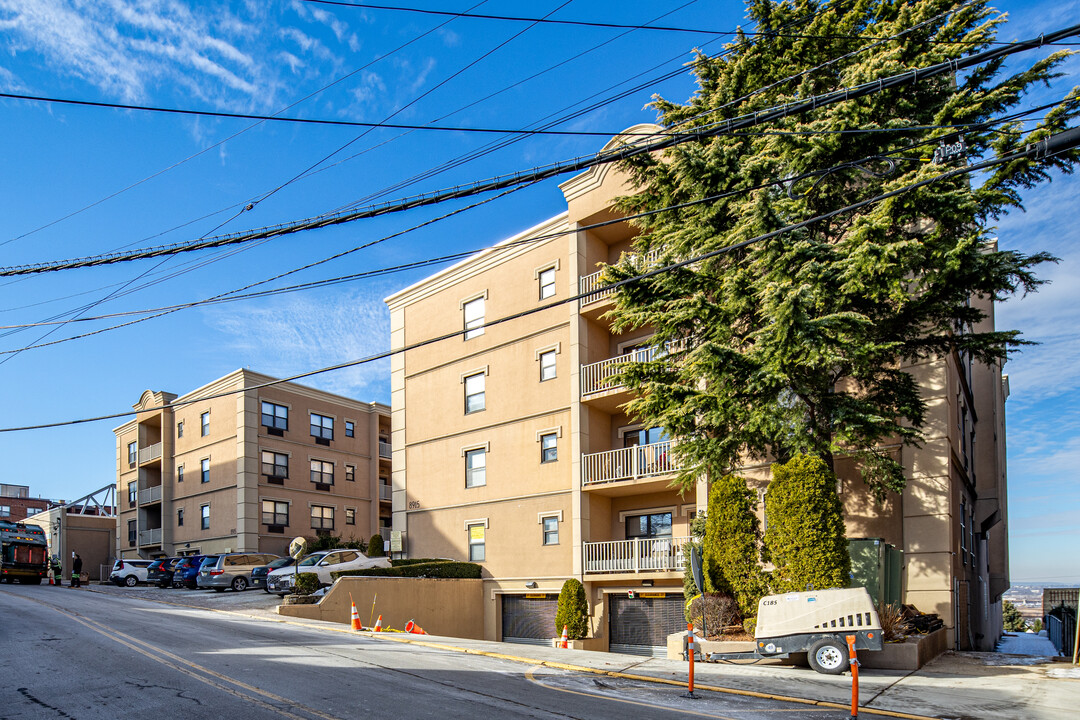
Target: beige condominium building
(240,465)
(511,448)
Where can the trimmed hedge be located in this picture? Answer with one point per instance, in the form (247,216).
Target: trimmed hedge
(732,546)
(306,583)
(375,546)
(573,610)
(444,569)
(805,537)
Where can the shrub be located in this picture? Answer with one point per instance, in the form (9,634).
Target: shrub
(732,545)
(749,625)
(894,625)
(1036,627)
(306,583)
(1013,620)
(435,569)
(375,546)
(805,536)
(720,611)
(573,610)
(332,542)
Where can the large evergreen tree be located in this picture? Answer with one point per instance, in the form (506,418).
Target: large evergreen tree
(731,551)
(797,344)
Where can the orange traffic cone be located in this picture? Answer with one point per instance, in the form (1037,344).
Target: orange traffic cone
(355,618)
(565,642)
(411,627)
(378,625)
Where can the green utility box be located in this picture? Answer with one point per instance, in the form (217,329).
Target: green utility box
(877,566)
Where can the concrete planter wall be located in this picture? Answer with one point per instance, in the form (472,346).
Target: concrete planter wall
(912,654)
(595,644)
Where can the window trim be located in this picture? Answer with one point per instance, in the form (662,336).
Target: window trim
(465,453)
(180,473)
(322,471)
(350,428)
(468,332)
(469,525)
(544,532)
(480,372)
(274,463)
(350,511)
(204,517)
(544,459)
(179,517)
(133,452)
(204,424)
(538,274)
(322,518)
(274,514)
(204,470)
(350,473)
(179,429)
(322,427)
(273,415)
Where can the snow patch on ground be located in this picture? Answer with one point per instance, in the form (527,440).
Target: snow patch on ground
(1071,672)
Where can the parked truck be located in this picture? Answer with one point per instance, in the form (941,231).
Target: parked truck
(24,553)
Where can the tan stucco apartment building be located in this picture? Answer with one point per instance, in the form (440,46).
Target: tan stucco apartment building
(245,464)
(511,448)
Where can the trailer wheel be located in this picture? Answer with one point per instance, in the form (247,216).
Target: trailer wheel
(828,656)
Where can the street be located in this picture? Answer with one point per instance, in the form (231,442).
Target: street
(84,655)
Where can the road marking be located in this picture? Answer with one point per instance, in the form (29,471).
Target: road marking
(192,670)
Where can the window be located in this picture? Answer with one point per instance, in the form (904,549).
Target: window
(205,420)
(547,283)
(350,473)
(322,472)
(322,518)
(179,473)
(132,492)
(474,317)
(275,512)
(274,416)
(475,467)
(474,393)
(547,365)
(5,511)
(204,512)
(205,470)
(133,453)
(549,449)
(350,429)
(963,532)
(133,532)
(551,530)
(275,464)
(180,517)
(476,543)
(322,427)
(350,516)
(180,429)
(648,526)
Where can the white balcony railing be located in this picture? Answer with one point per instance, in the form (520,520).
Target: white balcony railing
(384,449)
(150,537)
(591,282)
(598,376)
(152,452)
(638,555)
(632,463)
(386,492)
(150,495)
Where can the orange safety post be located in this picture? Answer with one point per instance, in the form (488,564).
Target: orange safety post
(853,660)
(691,650)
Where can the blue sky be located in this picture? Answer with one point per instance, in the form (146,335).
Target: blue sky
(81,181)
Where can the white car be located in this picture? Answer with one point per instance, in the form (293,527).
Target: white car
(129,572)
(322,563)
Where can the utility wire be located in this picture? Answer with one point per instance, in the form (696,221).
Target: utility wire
(726,126)
(611,25)
(1050,146)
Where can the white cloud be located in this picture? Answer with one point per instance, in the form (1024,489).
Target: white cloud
(295,334)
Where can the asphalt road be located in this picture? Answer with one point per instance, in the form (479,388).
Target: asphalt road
(85,655)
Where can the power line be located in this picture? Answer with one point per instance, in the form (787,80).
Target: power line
(1055,144)
(667,140)
(618,26)
(427,262)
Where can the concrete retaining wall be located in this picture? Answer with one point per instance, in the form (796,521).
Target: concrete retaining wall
(451,607)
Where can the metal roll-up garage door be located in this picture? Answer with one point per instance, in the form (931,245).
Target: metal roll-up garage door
(529,619)
(640,625)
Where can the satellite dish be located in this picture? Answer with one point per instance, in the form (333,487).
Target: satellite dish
(298,547)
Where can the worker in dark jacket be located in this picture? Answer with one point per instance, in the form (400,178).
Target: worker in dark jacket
(76,571)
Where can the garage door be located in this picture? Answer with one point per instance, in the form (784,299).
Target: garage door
(640,625)
(529,618)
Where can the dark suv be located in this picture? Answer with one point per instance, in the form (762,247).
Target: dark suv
(160,572)
(186,571)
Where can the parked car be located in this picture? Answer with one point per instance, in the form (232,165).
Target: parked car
(232,570)
(322,563)
(258,575)
(160,572)
(129,572)
(186,571)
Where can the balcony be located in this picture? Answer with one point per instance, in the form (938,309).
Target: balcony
(662,554)
(591,283)
(386,493)
(150,537)
(626,470)
(150,495)
(152,452)
(384,450)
